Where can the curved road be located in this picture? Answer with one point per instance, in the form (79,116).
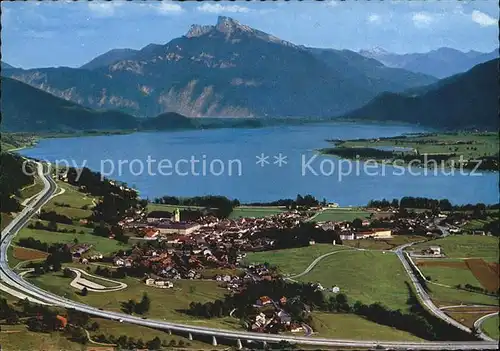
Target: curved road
(12,279)
(315,262)
(479,322)
(424,297)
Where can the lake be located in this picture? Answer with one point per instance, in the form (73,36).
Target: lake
(224,162)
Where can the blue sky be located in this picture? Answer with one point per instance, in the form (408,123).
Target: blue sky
(42,34)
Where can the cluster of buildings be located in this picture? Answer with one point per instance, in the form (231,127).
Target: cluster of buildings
(348,232)
(165,227)
(271,316)
(159,283)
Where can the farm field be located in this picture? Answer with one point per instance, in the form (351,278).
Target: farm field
(292,261)
(491,327)
(255,211)
(469,145)
(478,224)
(340,214)
(351,326)
(465,246)
(109,327)
(367,276)
(5,219)
(31,190)
(485,273)
(443,296)
(383,244)
(19,338)
(73,201)
(101,244)
(165,303)
(25,254)
(447,272)
(10,257)
(170,208)
(466,319)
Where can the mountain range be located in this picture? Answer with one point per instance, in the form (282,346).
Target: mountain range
(224,70)
(5,65)
(27,109)
(466,100)
(440,63)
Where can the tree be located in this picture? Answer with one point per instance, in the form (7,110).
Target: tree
(357,223)
(67,272)
(154,344)
(84,291)
(140,343)
(52,226)
(143,306)
(56,266)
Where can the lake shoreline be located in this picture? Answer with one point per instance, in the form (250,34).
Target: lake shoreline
(251,182)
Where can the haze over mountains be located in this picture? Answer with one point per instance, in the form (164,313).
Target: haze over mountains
(440,63)
(464,100)
(225,70)
(232,70)
(27,109)
(5,65)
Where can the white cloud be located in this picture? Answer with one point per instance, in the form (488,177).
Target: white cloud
(332,3)
(422,19)
(104,9)
(374,18)
(483,19)
(218,8)
(167,8)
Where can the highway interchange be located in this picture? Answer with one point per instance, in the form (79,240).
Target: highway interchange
(14,281)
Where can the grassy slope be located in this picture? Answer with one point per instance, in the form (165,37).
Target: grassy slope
(108,327)
(491,327)
(450,276)
(383,244)
(72,197)
(23,339)
(443,296)
(340,215)
(32,189)
(101,244)
(291,261)
(364,275)
(255,211)
(351,326)
(440,143)
(165,303)
(5,219)
(459,246)
(478,224)
(159,207)
(10,257)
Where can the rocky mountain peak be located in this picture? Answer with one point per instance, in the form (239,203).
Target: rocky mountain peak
(228,25)
(375,51)
(197,30)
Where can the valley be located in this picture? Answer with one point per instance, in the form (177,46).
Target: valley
(249,176)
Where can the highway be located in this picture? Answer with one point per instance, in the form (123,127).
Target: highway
(424,297)
(13,280)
